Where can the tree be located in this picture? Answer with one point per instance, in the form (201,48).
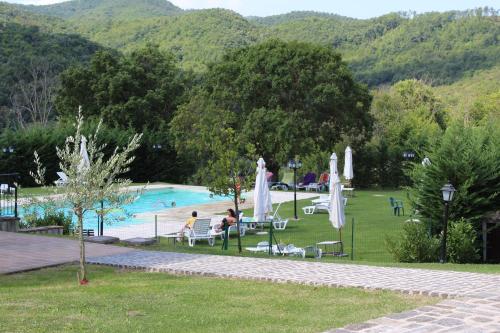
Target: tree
(90,184)
(408,116)
(467,157)
(229,171)
(207,135)
(282,98)
(485,109)
(141,90)
(33,101)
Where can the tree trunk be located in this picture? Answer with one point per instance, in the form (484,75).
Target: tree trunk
(82,276)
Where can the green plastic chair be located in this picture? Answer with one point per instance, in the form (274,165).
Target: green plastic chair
(397,206)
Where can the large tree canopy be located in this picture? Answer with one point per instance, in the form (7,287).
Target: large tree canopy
(303,93)
(141,90)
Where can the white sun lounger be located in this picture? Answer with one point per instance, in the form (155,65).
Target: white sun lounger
(63,179)
(289,249)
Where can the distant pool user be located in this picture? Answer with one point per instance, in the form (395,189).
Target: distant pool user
(174,204)
(189,225)
(211,195)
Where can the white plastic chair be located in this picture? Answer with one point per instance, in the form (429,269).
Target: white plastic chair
(200,230)
(278,222)
(313,187)
(4,188)
(63,179)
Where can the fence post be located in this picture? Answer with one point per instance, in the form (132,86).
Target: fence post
(15,201)
(156,228)
(352,240)
(271,238)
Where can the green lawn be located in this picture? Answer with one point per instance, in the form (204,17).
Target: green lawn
(373,223)
(49,300)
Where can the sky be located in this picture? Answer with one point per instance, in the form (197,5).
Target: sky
(351,8)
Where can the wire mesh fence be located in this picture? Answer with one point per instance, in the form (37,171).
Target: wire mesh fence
(370,222)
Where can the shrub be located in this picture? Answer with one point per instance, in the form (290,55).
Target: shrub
(149,165)
(414,244)
(467,157)
(47,219)
(461,244)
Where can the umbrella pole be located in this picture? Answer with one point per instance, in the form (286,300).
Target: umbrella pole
(341,244)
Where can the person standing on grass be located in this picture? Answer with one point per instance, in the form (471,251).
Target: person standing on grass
(189,225)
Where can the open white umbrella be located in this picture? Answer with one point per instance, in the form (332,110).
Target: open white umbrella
(85,162)
(348,173)
(261,195)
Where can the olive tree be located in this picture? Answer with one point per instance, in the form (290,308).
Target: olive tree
(90,183)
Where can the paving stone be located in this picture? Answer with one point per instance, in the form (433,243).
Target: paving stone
(481,319)
(403,315)
(359,327)
(424,329)
(139,241)
(102,239)
(422,319)
(449,322)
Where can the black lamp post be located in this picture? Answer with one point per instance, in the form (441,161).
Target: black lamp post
(448,191)
(293,164)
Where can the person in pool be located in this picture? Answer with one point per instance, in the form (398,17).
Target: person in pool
(229,220)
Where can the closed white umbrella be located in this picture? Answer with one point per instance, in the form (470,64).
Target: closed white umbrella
(333,170)
(261,195)
(85,162)
(336,213)
(348,172)
(426,161)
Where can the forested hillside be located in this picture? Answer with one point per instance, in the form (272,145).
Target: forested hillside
(109,9)
(473,96)
(195,37)
(204,84)
(27,50)
(438,47)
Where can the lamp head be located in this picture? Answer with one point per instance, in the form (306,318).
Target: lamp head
(448,190)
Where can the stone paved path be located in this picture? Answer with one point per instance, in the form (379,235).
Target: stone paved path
(21,252)
(472,304)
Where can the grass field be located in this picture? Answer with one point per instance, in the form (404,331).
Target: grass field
(50,300)
(370,210)
(374,222)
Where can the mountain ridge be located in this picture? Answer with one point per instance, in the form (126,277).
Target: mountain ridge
(441,47)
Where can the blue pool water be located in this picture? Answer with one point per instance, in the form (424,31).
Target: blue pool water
(148,201)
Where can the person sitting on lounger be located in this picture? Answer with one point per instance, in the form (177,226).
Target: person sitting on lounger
(228,221)
(189,224)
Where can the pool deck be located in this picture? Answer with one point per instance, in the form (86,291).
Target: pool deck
(171,220)
(24,252)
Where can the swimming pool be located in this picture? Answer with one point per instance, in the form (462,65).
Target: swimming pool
(149,201)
